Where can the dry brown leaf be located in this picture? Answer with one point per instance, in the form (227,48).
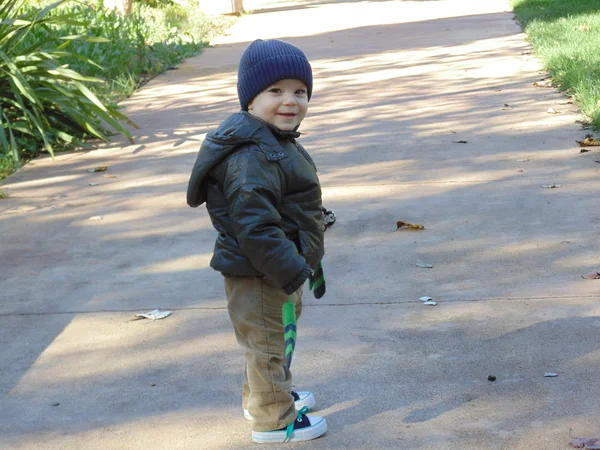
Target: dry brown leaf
(583,28)
(591,276)
(460,142)
(552,111)
(98,169)
(589,443)
(589,141)
(401,225)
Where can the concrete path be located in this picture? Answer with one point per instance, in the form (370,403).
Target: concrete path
(397,85)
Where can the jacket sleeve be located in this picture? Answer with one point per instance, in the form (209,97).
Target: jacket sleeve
(253,189)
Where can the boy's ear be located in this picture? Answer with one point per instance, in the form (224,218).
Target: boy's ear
(251,105)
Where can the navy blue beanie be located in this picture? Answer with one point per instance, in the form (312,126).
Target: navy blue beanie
(266,62)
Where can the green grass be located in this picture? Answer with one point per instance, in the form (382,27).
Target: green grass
(3,194)
(565,35)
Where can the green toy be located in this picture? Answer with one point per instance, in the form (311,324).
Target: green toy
(288,314)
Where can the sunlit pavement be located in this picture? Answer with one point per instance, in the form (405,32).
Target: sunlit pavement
(398,86)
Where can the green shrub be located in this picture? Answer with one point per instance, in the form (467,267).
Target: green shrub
(95,54)
(44,102)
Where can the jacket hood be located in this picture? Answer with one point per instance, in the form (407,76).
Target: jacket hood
(237,130)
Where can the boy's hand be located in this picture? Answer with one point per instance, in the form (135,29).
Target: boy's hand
(328,218)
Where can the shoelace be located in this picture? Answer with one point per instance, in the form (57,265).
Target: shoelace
(290,428)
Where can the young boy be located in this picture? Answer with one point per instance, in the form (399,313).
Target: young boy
(264,198)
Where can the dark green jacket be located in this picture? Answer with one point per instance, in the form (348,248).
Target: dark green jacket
(263,195)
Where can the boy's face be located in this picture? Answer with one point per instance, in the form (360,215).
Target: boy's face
(283,104)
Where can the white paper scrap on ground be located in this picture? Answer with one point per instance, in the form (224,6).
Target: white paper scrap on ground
(430,303)
(425,299)
(155,315)
(550,374)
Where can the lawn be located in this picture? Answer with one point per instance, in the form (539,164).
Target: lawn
(565,35)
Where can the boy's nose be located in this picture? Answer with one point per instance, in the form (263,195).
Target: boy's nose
(289,99)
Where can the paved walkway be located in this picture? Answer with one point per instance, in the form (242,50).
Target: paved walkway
(397,85)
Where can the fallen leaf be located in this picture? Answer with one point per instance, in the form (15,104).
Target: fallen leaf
(551,186)
(589,141)
(96,218)
(543,83)
(94,184)
(110,176)
(460,142)
(592,276)
(550,375)
(552,111)
(589,443)
(98,169)
(520,170)
(408,226)
(425,265)
(584,150)
(583,28)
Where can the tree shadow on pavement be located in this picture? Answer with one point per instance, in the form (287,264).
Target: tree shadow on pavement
(392,369)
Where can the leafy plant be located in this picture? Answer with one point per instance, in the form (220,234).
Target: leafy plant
(45,103)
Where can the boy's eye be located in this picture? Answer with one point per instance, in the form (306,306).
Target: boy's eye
(275,90)
(301,92)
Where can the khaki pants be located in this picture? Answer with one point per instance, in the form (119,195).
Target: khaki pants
(255,311)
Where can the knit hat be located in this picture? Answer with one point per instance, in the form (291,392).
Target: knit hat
(266,62)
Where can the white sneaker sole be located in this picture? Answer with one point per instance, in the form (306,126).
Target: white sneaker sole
(317,429)
(305,399)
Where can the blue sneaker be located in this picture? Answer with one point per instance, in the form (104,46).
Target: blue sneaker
(304,428)
(301,399)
